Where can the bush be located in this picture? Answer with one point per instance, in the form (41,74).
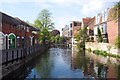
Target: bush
(104,53)
(89,49)
(96,52)
(118,56)
(117,42)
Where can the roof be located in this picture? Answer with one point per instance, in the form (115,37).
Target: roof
(16,21)
(9,19)
(91,20)
(25,23)
(86,20)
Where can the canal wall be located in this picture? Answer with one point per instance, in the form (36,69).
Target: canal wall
(103,47)
(13,59)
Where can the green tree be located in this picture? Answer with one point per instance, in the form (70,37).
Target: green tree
(44,20)
(44,36)
(99,35)
(45,24)
(116,12)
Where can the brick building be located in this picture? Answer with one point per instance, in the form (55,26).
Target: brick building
(16,33)
(109,27)
(75,26)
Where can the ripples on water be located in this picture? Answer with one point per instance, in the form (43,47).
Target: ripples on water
(68,63)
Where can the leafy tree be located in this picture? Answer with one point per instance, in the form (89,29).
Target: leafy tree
(117,10)
(44,35)
(45,24)
(44,20)
(99,35)
(114,13)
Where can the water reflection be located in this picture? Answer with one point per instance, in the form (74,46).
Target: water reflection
(66,63)
(94,68)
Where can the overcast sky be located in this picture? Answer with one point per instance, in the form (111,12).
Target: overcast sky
(63,11)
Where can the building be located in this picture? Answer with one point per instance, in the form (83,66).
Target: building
(16,33)
(85,22)
(109,27)
(17,38)
(75,26)
(90,29)
(66,31)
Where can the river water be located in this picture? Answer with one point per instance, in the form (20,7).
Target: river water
(71,63)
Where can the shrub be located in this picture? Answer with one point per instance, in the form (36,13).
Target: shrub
(96,52)
(117,42)
(100,39)
(89,49)
(118,56)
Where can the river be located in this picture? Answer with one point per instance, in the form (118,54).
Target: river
(59,62)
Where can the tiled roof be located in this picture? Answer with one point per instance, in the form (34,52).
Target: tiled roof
(9,19)
(86,20)
(15,21)
(92,19)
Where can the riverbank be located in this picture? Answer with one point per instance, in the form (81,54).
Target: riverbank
(13,67)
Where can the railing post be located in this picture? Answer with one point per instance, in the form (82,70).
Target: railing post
(6,58)
(17,55)
(21,54)
(12,56)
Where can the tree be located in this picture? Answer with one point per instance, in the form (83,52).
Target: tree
(117,10)
(44,20)
(45,24)
(114,13)
(99,35)
(44,35)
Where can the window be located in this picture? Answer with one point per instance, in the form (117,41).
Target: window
(75,24)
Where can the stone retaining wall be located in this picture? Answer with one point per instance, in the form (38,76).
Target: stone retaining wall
(102,46)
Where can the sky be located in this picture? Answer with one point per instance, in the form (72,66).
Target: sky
(63,11)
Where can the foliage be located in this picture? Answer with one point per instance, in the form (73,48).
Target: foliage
(117,42)
(58,39)
(116,10)
(104,53)
(44,35)
(45,24)
(44,20)
(89,49)
(99,35)
(82,34)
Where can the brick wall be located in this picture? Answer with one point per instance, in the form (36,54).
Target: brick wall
(112,30)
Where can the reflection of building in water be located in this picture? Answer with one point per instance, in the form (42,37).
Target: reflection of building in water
(92,67)
(66,55)
(111,72)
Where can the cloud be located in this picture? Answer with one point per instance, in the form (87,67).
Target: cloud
(92,7)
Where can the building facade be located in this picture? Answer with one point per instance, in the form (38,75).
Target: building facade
(108,26)
(16,33)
